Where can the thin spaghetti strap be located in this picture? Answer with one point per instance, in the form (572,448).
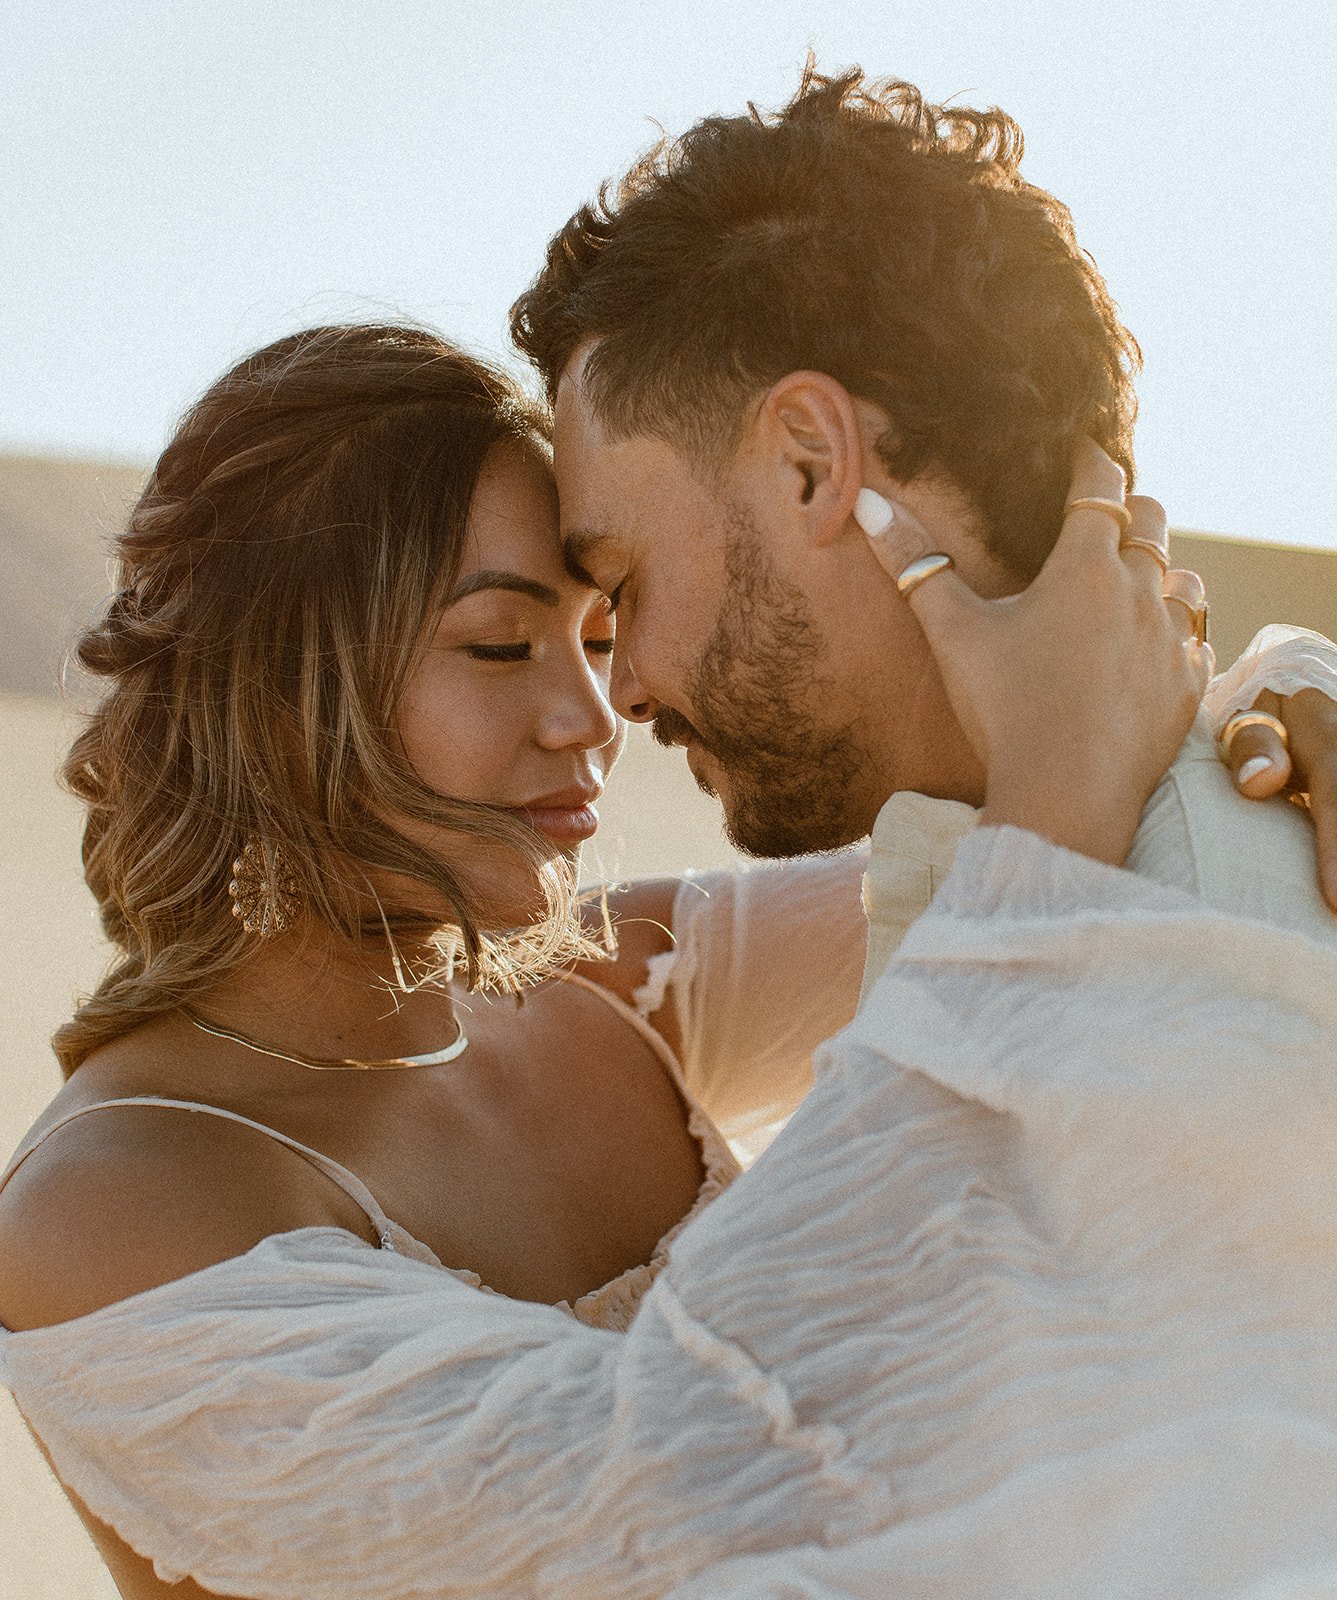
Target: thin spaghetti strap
(656,1040)
(349,1182)
(721,1165)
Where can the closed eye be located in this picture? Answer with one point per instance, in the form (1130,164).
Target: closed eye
(498,652)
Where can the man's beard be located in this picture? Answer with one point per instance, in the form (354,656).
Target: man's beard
(795,786)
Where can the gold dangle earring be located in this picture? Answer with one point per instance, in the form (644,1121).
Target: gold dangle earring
(266,897)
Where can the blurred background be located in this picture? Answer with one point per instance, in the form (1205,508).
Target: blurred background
(181,184)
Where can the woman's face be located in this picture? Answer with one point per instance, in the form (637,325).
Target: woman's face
(509,702)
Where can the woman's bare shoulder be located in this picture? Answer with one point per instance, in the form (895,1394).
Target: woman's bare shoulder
(124,1198)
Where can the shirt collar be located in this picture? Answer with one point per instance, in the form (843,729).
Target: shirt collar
(913,845)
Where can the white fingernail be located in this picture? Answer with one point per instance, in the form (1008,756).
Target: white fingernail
(1253,768)
(873,512)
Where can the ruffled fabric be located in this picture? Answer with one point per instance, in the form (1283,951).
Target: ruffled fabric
(616,1303)
(1033,1296)
(1282,659)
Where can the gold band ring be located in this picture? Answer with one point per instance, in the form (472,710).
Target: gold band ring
(1112,508)
(1151,548)
(921,570)
(1250,719)
(1197,615)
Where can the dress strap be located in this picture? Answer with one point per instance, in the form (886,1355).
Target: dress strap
(350,1183)
(633,1018)
(720,1163)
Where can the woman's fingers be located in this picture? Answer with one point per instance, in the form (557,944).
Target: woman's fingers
(1186,597)
(934,591)
(1096,516)
(1311,721)
(1257,755)
(1145,544)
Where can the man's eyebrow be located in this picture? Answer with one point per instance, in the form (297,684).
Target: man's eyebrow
(576,546)
(511,581)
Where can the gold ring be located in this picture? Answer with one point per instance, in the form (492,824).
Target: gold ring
(1151,548)
(921,570)
(1197,614)
(1112,508)
(1250,719)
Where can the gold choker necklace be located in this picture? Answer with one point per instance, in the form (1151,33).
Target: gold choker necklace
(432,1058)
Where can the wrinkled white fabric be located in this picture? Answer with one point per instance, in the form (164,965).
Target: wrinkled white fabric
(765,966)
(1032,1297)
(1282,659)
(1059,1216)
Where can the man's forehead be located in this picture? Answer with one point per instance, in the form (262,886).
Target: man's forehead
(573,412)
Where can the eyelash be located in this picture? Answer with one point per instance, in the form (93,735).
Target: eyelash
(520,652)
(498,652)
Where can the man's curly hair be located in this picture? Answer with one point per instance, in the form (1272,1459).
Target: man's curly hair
(866,234)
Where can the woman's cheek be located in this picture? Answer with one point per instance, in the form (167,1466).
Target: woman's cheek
(612,752)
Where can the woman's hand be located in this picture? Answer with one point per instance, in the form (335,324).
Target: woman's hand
(1263,765)
(1077,693)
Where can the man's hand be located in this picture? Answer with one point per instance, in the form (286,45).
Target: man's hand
(1262,766)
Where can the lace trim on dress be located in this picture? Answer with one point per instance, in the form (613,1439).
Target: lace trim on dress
(653,992)
(614,1304)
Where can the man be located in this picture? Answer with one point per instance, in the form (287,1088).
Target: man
(769,317)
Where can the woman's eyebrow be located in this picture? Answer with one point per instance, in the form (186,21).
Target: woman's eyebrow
(504,580)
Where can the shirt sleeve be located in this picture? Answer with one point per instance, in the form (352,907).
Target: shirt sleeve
(766,965)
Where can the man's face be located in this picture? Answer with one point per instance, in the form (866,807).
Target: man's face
(718,647)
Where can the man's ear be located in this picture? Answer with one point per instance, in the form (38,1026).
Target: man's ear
(813,430)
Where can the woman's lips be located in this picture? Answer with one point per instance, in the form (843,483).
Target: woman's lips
(563,824)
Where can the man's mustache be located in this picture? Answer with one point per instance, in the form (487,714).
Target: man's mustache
(671,727)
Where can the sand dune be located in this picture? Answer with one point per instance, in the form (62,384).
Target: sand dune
(54,517)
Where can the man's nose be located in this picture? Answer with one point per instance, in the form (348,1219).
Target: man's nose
(627,692)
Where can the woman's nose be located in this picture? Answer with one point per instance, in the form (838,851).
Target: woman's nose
(583,717)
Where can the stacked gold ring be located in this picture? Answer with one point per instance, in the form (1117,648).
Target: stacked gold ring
(1151,548)
(1250,719)
(1112,508)
(1197,615)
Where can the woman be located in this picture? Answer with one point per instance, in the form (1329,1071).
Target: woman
(342,602)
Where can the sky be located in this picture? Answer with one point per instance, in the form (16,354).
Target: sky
(181,183)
